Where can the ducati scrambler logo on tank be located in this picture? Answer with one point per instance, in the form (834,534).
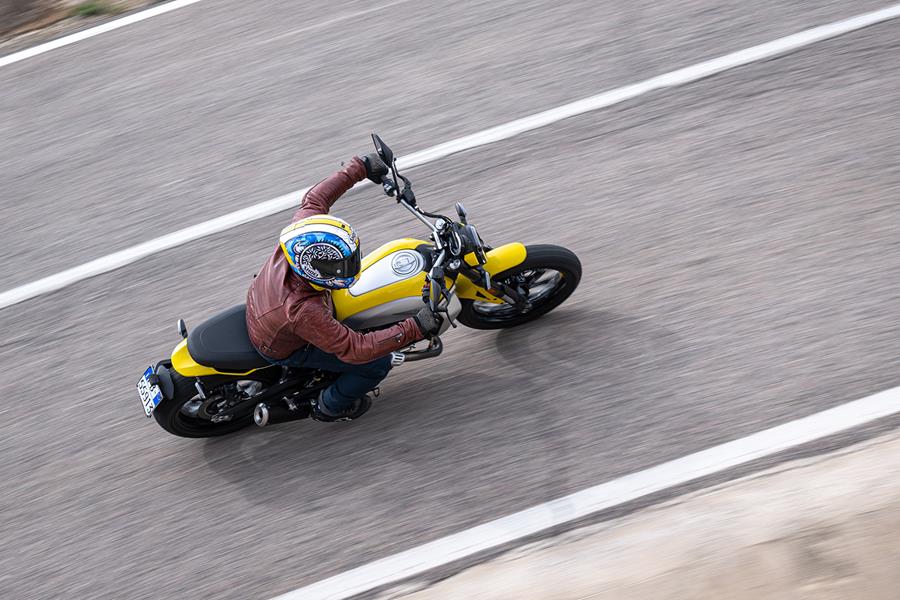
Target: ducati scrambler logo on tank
(406,263)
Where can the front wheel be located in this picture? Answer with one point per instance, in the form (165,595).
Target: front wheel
(548,276)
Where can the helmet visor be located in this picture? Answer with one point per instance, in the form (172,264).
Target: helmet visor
(344,267)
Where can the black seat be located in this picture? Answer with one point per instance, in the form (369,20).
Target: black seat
(223,344)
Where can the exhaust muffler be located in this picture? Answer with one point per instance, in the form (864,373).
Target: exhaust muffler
(279,412)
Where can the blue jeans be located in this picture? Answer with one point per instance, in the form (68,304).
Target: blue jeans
(354,381)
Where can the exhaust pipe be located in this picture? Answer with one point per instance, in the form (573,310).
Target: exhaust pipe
(271,414)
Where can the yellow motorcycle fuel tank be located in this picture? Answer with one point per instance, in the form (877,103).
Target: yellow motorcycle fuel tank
(389,288)
(391,279)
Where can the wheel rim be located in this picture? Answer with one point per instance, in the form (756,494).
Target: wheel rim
(222,405)
(539,286)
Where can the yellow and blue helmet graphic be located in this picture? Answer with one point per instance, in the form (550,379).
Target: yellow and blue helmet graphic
(323,250)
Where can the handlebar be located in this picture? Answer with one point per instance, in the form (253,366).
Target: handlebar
(451,240)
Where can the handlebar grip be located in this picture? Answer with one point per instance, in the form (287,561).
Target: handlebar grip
(388,185)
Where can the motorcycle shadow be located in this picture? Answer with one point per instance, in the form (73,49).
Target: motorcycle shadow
(584,345)
(418,425)
(557,390)
(614,372)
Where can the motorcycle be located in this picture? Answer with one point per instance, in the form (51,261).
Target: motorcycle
(216,383)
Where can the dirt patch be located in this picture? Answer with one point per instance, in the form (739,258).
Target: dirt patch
(18,14)
(25,23)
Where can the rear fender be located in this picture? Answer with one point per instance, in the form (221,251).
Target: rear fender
(164,379)
(498,260)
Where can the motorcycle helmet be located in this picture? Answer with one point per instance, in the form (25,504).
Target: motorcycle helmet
(322,249)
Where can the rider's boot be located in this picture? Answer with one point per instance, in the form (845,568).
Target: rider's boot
(357,408)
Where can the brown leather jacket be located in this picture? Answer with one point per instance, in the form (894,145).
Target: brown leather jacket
(285,313)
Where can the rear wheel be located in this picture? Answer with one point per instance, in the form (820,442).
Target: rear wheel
(547,277)
(226,409)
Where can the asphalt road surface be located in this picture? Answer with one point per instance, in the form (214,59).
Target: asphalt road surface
(738,235)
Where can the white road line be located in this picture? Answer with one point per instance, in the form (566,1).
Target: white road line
(333,21)
(94,31)
(481,138)
(121,258)
(517,526)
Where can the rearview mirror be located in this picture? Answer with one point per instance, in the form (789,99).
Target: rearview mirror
(383,151)
(461,211)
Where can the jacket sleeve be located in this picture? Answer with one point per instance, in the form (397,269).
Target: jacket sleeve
(315,324)
(319,199)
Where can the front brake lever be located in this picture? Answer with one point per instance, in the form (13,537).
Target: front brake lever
(450,319)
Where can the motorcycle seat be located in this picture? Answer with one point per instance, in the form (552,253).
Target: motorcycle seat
(221,342)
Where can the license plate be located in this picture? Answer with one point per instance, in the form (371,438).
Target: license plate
(150,394)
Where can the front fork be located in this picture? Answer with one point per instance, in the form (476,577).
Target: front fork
(500,290)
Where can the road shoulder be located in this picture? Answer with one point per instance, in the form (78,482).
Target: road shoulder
(819,528)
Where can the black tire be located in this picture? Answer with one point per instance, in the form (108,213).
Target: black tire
(539,257)
(170,417)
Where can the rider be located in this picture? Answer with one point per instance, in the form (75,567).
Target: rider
(290,314)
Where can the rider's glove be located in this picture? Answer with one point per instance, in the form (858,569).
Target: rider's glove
(429,322)
(375,167)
